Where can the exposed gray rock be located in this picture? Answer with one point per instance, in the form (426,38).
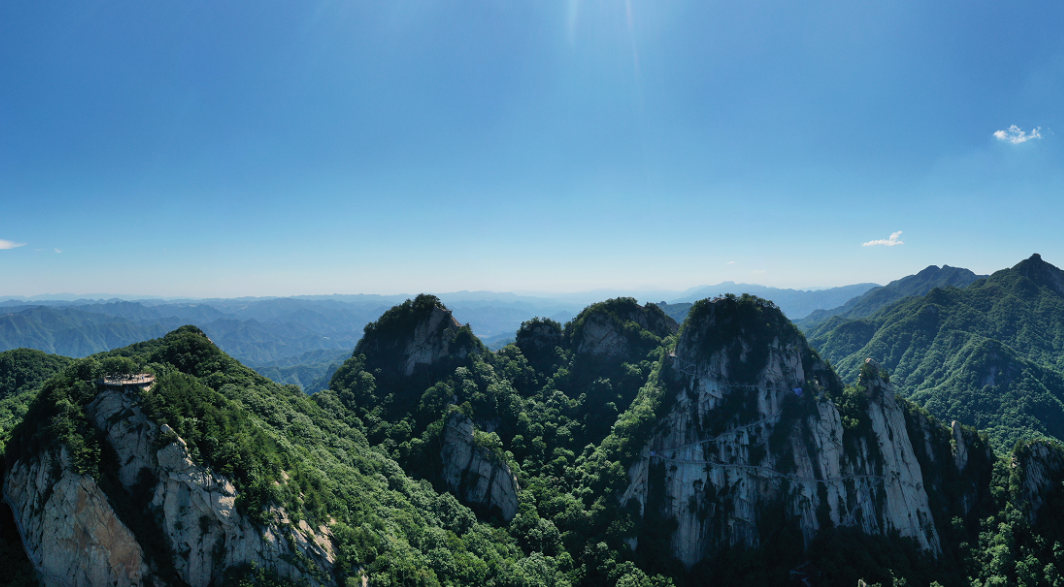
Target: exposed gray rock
(715,460)
(475,475)
(1042,466)
(431,340)
(69,530)
(604,335)
(194,507)
(960,446)
(956,461)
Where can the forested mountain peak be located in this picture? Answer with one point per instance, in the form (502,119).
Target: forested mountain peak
(870,302)
(750,425)
(740,322)
(989,354)
(415,335)
(215,475)
(1041,273)
(614,327)
(615,451)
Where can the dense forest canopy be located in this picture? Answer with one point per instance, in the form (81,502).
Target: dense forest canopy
(566,409)
(991,354)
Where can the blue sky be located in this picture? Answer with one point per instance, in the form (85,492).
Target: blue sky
(269,148)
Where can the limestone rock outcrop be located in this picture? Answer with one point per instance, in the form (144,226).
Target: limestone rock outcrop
(192,507)
(473,473)
(603,330)
(69,530)
(751,424)
(1042,467)
(413,339)
(431,340)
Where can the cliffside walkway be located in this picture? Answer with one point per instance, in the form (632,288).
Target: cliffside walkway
(138,380)
(690,369)
(769,471)
(719,436)
(862,496)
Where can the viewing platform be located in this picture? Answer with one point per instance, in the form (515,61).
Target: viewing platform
(142,381)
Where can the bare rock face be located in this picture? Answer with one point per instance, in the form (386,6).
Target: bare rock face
(961,441)
(473,473)
(414,337)
(193,507)
(750,426)
(70,532)
(602,337)
(431,340)
(1042,466)
(605,333)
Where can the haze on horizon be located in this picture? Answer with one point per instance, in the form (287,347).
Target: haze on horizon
(204,150)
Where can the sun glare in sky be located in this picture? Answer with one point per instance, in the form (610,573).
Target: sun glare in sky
(276,149)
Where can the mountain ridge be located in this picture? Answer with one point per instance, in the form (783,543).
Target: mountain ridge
(878,297)
(993,349)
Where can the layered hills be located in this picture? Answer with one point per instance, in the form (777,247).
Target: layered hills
(620,448)
(795,303)
(213,474)
(874,299)
(991,354)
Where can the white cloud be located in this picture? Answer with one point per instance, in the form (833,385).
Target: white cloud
(895,239)
(58,251)
(1016,136)
(758,271)
(10,245)
(731,263)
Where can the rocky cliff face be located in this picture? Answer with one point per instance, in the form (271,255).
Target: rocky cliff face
(431,340)
(473,473)
(751,424)
(603,328)
(956,463)
(193,508)
(1042,468)
(69,530)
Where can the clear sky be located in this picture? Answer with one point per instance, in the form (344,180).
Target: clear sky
(274,148)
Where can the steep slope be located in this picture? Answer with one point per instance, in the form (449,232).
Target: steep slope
(464,418)
(22,372)
(214,474)
(753,423)
(608,339)
(408,349)
(869,302)
(991,354)
(410,371)
(717,473)
(312,370)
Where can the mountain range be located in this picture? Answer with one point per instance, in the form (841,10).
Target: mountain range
(713,442)
(620,449)
(301,339)
(991,353)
